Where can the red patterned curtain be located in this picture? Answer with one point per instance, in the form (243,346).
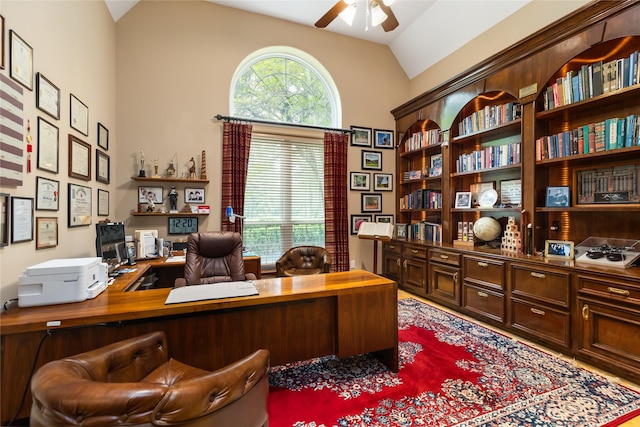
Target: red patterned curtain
(236,142)
(336,213)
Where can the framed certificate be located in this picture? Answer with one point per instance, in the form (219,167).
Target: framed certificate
(103,137)
(4,218)
(47,194)
(79,159)
(79,205)
(47,96)
(102,167)
(48,146)
(103,202)
(46,232)
(21,219)
(21,55)
(79,115)
(2,41)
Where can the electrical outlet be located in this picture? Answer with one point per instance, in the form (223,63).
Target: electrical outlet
(353,264)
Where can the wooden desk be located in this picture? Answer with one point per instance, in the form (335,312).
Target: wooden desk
(295,318)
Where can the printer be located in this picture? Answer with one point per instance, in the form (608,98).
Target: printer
(59,281)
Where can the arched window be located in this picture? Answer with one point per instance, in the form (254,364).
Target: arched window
(284,195)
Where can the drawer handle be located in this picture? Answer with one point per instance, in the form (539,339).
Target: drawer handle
(444,256)
(392,246)
(536,311)
(414,251)
(482,264)
(618,291)
(585,312)
(398,262)
(405,263)
(455,278)
(483,294)
(538,275)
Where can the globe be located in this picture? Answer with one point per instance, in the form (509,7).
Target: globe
(487,229)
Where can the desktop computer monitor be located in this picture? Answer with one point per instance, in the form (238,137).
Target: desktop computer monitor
(110,244)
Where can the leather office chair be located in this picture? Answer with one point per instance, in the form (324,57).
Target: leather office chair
(134,383)
(213,256)
(302,260)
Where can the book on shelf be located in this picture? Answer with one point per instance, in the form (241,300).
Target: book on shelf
(376,230)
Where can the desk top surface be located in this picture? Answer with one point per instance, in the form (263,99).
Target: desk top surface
(116,305)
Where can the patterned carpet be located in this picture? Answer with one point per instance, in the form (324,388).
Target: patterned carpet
(452,373)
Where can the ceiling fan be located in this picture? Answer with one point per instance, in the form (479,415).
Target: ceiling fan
(378,10)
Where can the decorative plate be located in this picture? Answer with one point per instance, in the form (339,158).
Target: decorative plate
(488,198)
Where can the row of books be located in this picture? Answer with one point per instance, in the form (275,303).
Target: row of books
(489,157)
(423,139)
(422,198)
(593,80)
(488,117)
(428,232)
(609,134)
(435,169)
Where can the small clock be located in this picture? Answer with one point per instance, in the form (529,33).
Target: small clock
(183,225)
(488,198)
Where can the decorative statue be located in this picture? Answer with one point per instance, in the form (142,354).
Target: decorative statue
(192,169)
(173,199)
(142,173)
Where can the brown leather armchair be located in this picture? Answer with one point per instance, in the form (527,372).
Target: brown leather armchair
(302,260)
(212,257)
(134,383)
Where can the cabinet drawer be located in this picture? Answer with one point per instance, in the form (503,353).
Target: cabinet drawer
(551,286)
(484,270)
(610,289)
(543,322)
(395,248)
(444,257)
(483,302)
(414,251)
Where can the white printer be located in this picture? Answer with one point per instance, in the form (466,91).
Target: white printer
(60,281)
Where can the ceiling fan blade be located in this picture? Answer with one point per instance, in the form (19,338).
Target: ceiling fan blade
(391,22)
(331,14)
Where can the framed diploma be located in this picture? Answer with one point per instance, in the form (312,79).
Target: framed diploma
(21,219)
(46,233)
(47,194)
(21,56)
(1,47)
(47,96)
(102,167)
(79,117)
(79,205)
(103,137)
(103,202)
(4,219)
(48,146)
(79,159)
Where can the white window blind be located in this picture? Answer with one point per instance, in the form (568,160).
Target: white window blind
(284,196)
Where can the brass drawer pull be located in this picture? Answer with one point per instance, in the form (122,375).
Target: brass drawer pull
(444,256)
(585,312)
(392,246)
(482,264)
(618,291)
(538,275)
(536,311)
(455,278)
(405,263)
(414,251)
(483,294)
(398,262)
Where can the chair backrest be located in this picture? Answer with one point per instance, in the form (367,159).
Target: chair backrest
(214,256)
(303,260)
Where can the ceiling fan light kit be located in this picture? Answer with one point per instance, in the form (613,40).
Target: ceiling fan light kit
(377,13)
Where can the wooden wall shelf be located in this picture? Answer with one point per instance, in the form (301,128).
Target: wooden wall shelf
(180,180)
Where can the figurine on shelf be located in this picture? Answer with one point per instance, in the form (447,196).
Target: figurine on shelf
(173,199)
(142,173)
(151,202)
(186,208)
(192,169)
(155,169)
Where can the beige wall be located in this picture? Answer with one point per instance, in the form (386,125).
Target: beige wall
(74,46)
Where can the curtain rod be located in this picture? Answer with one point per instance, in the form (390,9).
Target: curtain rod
(295,125)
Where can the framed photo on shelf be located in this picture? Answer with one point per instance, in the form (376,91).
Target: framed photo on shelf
(511,192)
(360,181)
(463,200)
(79,159)
(47,194)
(4,218)
(356,221)
(382,182)
(103,137)
(194,195)
(103,164)
(383,218)
(558,197)
(48,146)
(47,96)
(371,202)
(21,219)
(360,136)
(150,194)
(383,139)
(79,115)
(558,249)
(79,205)
(46,232)
(21,61)
(372,160)
(103,202)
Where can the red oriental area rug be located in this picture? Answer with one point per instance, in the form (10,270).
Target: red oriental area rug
(452,373)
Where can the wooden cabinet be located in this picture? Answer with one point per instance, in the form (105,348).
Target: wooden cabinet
(483,287)
(392,261)
(407,265)
(444,277)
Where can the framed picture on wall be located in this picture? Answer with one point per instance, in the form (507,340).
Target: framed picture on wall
(371,202)
(79,115)
(21,219)
(48,146)
(79,205)
(46,232)
(1,42)
(47,194)
(382,182)
(4,218)
(360,181)
(194,195)
(21,61)
(360,136)
(103,137)
(79,159)
(383,139)
(103,163)
(47,96)
(356,221)
(383,218)
(372,160)
(103,202)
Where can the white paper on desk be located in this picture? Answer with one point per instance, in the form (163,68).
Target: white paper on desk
(176,258)
(211,291)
